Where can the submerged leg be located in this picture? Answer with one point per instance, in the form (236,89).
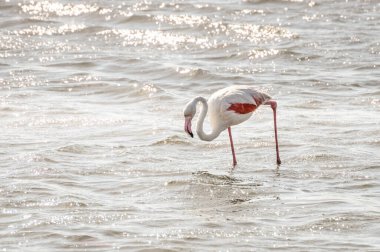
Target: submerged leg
(232,147)
(273,105)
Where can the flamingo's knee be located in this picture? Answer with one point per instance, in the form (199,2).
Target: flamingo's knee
(272,103)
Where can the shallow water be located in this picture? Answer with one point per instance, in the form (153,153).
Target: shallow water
(93,153)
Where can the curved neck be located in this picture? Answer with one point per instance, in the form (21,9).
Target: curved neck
(203,135)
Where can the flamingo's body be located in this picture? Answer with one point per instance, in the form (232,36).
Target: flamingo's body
(227,107)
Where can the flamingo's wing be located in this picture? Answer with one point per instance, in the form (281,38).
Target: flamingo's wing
(242,108)
(234,105)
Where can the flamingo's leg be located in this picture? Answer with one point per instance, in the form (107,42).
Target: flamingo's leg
(232,147)
(273,105)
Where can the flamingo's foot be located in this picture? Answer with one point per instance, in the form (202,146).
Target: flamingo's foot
(234,163)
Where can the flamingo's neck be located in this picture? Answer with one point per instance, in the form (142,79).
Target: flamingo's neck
(203,135)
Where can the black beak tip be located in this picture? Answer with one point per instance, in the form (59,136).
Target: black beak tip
(189,132)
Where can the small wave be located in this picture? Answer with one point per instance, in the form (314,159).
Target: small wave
(42,158)
(361,186)
(135,18)
(193,72)
(177,183)
(339,222)
(208,178)
(311,104)
(72,204)
(371,67)
(372,167)
(25,21)
(91,29)
(172,140)
(294,54)
(262,53)
(238,201)
(73,87)
(76,65)
(276,1)
(74,148)
(320,157)
(82,238)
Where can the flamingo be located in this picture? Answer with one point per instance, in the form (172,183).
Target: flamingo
(227,107)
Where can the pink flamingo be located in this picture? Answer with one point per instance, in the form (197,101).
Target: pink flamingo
(227,107)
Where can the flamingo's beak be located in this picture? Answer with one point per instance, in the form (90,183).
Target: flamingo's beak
(188,125)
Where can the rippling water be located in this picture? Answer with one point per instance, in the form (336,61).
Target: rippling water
(93,153)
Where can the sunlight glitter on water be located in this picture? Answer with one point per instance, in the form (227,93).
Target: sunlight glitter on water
(43,30)
(44,9)
(93,153)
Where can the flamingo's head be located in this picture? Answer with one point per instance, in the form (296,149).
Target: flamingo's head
(189,113)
